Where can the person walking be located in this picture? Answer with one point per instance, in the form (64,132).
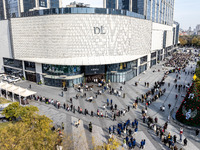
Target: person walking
(174,138)
(114,117)
(90,127)
(181,134)
(197,132)
(74,109)
(156,119)
(113,129)
(109,130)
(169,105)
(142,144)
(185,142)
(92,113)
(107,102)
(62,124)
(64,105)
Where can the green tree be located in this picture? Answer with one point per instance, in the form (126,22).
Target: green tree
(14,111)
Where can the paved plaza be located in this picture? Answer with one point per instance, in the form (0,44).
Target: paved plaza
(81,135)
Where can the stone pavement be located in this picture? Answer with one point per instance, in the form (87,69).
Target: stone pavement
(100,125)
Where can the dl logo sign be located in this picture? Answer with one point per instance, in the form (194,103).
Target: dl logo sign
(99,30)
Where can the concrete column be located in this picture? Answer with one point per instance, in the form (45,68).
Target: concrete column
(130,5)
(148,61)
(48,4)
(37,4)
(22,6)
(60,3)
(38,69)
(116,4)
(4,9)
(104,3)
(138,66)
(23,69)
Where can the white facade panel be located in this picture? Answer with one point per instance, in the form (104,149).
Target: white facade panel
(5,49)
(157,40)
(73,35)
(157,36)
(169,40)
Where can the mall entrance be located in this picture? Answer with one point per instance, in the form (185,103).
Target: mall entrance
(95,73)
(30,76)
(95,78)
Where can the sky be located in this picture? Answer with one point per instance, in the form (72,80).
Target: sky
(186,12)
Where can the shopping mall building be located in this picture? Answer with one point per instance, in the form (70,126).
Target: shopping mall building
(66,46)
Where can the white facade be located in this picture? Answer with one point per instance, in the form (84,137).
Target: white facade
(5,49)
(81,36)
(157,36)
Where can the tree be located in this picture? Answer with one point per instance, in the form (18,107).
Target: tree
(194,41)
(32,131)
(183,41)
(14,111)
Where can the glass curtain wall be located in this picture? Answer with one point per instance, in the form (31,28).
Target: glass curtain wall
(121,72)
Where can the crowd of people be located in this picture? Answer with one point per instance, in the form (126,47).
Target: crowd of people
(128,129)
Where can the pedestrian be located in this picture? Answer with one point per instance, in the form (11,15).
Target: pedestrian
(114,117)
(141,144)
(90,127)
(197,132)
(107,102)
(124,143)
(128,108)
(130,132)
(30,86)
(144,142)
(64,105)
(113,129)
(181,134)
(109,130)
(145,83)
(92,113)
(185,142)
(156,120)
(169,105)
(133,143)
(106,114)
(130,145)
(133,124)
(62,93)
(62,124)
(111,101)
(85,112)
(74,109)
(174,138)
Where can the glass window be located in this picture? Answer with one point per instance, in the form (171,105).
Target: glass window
(29,66)
(143,59)
(12,63)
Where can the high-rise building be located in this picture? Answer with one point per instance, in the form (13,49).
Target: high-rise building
(1,10)
(160,11)
(198,28)
(14,8)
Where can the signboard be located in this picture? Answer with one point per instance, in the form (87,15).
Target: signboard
(194,77)
(93,70)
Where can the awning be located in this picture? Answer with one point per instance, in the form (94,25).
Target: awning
(16,89)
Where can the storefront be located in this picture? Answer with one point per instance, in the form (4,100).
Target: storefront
(122,71)
(94,73)
(62,76)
